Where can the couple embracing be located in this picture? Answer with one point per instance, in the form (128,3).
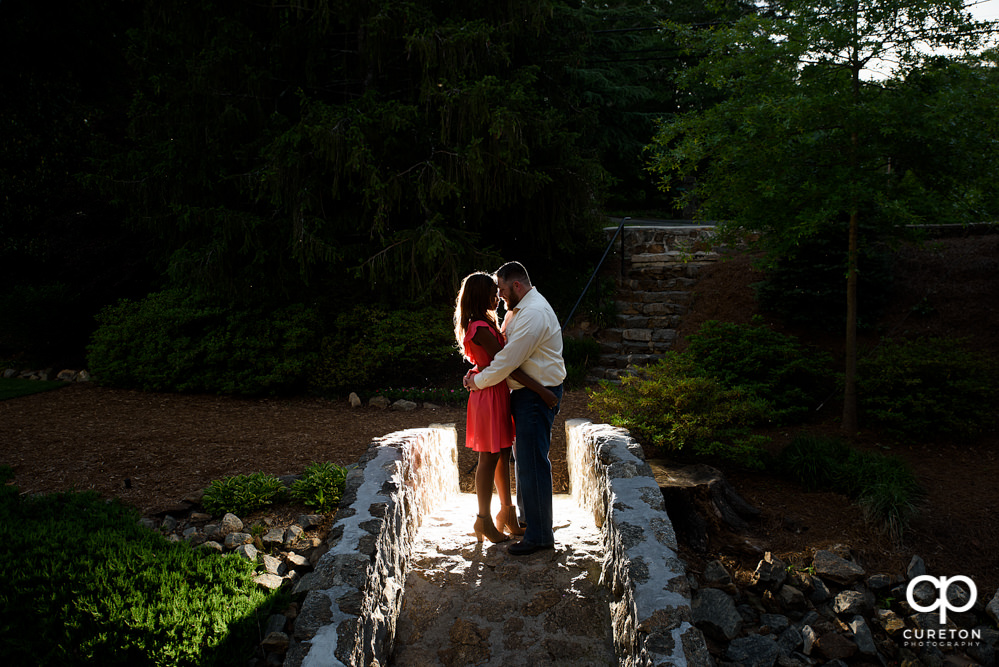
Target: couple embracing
(515,390)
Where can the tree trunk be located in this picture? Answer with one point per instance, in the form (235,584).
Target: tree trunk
(702,505)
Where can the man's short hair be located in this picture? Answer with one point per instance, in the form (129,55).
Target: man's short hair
(513,271)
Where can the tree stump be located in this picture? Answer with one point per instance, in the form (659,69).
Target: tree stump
(701,503)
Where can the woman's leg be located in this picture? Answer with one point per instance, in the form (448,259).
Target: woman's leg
(485,472)
(502,478)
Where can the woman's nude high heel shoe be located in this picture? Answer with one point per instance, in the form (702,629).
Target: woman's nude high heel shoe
(485,528)
(507,518)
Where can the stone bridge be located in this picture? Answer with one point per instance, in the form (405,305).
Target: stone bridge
(407,480)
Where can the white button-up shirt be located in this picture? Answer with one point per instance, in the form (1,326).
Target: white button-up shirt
(533,344)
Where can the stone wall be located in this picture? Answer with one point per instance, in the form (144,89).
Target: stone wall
(354,595)
(651,613)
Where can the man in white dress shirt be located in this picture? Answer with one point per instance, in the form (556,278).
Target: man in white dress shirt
(533,344)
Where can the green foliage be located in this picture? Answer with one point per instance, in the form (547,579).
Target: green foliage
(177,341)
(579,354)
(883,486)
(122,595)
(924,388)
(242,494)
(673,406)
(14,387)
(321,486)
(369,347)
(772,366)
(807,286)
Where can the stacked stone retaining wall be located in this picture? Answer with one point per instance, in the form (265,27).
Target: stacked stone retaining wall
(651,614)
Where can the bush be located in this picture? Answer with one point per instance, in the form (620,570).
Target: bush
(928,387)
(673,406)
(369,348)
(121,594)
(177,341)
(883,486)
(579,355)
(767,364)
(321,486)
(242,494)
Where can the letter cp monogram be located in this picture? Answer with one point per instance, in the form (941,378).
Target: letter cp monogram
(942,584)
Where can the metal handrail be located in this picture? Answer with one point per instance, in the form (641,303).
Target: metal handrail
(597,269)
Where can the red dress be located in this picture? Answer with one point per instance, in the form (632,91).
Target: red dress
(489,425)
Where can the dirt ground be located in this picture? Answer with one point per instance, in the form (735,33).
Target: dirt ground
(154,450)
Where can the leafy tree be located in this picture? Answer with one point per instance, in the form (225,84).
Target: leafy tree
(805,134)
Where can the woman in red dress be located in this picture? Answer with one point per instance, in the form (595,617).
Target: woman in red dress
(489,426)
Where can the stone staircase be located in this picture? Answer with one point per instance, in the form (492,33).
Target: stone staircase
(655,268)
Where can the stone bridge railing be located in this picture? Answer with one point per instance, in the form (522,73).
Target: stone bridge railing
(354,596)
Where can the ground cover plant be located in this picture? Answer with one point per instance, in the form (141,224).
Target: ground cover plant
(15,387)
(320,486)
(883,486)
(86,584)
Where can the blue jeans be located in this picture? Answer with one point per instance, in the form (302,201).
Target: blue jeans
(533,423)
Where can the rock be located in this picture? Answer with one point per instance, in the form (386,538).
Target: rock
(379,402)
(753,651)
(402,405)
(273,565)
(354,400)
(233,540)
(849,603)
(273,537)
(836,568)
(715,573)
(916,568)
(230,524)
(809,637)
(168,524)
(992,608)
(769,575)
(66,375)
(862,636)
(307,521)
(275,642)
(269,581)
(835,646)
(715,614)
(293,533)
(247,551)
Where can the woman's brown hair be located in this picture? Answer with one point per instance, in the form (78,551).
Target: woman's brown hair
(474,302)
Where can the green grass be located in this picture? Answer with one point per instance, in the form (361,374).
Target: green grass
(15,388)
(85,584)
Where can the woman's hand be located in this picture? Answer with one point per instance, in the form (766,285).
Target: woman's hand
(550,399)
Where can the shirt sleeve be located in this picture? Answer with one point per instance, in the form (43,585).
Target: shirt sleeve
(518,348)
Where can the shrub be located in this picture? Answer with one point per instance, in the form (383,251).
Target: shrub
(321,486)
(177,341)
(242,494)
(671,405)
(369,347)
(579,355)
(122,595)
(928,387)
(773,366)
(883,486)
